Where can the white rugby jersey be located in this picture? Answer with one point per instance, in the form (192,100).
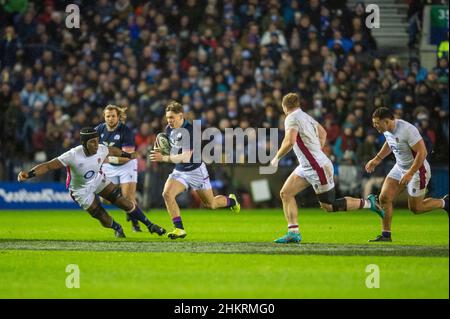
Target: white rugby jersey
(307,146)
(400,141)
(82,170)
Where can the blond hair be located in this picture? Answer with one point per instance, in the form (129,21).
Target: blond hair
(121,111)
(291,101)
(174,107)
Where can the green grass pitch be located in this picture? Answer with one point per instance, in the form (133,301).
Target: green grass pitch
(224,256)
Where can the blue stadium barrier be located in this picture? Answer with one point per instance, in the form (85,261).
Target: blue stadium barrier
(439,182)
(35,196)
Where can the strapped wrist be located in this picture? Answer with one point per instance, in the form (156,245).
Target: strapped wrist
(113,159)
(31,173)
(125,154)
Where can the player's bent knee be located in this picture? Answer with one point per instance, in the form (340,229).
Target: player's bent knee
(415,209)
(115,195)
(210,205)
(384,200)
(284,194)
(99,213)
(167,195)
(326,207)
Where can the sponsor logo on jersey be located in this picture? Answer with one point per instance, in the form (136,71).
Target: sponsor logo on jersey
(89,174)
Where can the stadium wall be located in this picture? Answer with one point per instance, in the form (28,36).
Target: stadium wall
(50,195)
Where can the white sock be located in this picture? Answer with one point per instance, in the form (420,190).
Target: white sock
(443,203)
(293,228)
(366,203)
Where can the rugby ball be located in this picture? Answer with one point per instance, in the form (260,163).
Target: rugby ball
(163,143)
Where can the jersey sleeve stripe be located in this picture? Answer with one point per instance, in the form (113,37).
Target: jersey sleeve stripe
(69,177)
(422,173)
(312,161)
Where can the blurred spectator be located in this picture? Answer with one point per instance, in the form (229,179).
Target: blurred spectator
(364,153)
(443,49)
(349,179)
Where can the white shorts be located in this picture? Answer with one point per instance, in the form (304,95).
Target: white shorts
(126,173)
(197,179)
(85,196)
(321,178)
(418,184)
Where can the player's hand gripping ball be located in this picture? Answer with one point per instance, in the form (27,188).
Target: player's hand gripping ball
(163,144)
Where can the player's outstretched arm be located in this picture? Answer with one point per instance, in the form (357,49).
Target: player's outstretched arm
(374,162)
(117,152)
(40,169)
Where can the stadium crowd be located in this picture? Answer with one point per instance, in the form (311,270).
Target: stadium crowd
(228,62)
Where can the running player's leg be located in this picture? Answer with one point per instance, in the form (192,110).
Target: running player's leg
(220,201)
(389,191)
(420,205)
(323,182)
(172,189)
(129,192)
(417,189)
(114,195)
(330,204)
(97,211)
(210,201)
(292,186)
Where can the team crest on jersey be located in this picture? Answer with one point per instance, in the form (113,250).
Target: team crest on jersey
(179,136)
(99,160)
(102,135)
(414,190)
(397,140)
(117,137)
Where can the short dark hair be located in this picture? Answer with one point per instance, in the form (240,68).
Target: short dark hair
(383,113)
(175,107)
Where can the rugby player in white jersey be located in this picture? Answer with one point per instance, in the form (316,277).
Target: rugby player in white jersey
(85,180)
(308,137)
(411,171)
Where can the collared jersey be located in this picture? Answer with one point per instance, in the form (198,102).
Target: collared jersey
(121,137)
(401,141)
(82,170)
(182,139)
(307,147)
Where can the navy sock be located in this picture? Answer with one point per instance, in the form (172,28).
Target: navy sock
(386,234)
(139,215)
(115,226)
(230,202)
(177,222)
